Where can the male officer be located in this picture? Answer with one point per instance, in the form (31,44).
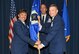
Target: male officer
(45,22)
(55,38)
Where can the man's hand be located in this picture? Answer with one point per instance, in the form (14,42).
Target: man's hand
(40,46)
(38,42)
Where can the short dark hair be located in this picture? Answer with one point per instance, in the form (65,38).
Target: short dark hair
(22,11)
(43,4)
(53,5)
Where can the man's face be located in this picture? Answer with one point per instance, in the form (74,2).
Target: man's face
(53,11)
(23,16)
(43,9)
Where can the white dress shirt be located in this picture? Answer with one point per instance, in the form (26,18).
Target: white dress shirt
(44,17)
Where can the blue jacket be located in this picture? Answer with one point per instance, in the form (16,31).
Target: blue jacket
(55,38)
(21,38)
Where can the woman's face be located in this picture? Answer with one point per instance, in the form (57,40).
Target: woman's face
(23,16)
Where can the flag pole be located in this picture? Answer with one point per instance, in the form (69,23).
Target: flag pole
(38,32)
(38,49)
